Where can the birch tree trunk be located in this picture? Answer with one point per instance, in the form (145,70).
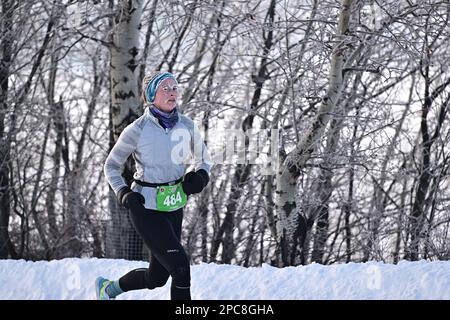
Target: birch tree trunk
(291,222)
(5,63)
(124,109)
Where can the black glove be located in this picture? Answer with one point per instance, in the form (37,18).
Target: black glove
(195,182)
(130,199)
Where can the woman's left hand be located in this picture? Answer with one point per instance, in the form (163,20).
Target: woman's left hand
(195,182)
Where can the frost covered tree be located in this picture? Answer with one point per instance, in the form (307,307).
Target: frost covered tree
(291,221)
(6,43)
(359,97)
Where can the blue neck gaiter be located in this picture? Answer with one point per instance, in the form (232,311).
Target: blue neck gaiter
(166,120)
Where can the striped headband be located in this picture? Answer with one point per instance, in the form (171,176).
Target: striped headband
(154,82)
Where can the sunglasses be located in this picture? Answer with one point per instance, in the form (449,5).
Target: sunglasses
(167,88)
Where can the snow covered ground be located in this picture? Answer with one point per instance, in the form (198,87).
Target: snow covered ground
(74,279)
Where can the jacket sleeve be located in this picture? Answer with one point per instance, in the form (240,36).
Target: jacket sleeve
(201,156)
(114,164)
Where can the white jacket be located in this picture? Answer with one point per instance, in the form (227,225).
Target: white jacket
(161,155)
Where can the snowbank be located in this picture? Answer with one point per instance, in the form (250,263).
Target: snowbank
(74,279)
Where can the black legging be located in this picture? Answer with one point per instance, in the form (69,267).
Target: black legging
(161,232)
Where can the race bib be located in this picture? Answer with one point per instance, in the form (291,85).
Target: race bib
(170,198)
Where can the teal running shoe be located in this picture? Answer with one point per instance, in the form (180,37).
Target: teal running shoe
(100,288)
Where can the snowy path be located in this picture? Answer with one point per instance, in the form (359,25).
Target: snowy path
(74,279)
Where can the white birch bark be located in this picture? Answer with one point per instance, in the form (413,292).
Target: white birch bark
(125,108)
(124,62)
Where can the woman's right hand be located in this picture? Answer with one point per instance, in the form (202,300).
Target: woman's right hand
(130,199)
